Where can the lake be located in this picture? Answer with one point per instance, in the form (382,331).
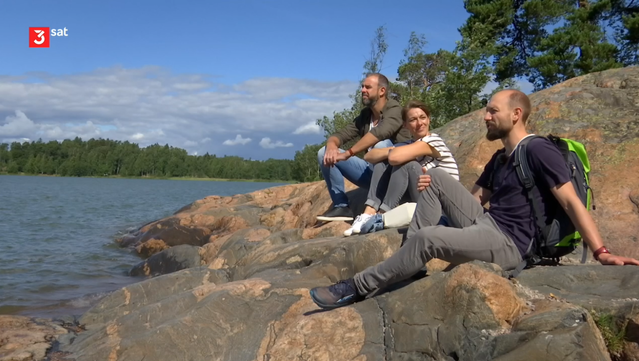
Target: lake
(58,254)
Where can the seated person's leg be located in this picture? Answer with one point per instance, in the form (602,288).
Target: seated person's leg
(335,185)
(481,241)
(447,195)
(377,189)
(402,179)
(356,170)
(383,144)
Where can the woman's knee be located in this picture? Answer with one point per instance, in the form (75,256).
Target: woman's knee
(438,174)
(412,166)
(383,144)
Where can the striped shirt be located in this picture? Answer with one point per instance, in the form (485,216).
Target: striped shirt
(445,161)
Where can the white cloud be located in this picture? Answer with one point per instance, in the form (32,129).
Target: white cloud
(151,105)
(308,128)
(17,125)
(267,144)
(238,140)
(190,143)
(20,127)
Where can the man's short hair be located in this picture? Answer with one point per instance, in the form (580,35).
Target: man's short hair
(382,81)
(518,99)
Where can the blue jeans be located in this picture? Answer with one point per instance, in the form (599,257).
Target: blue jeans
(356,170)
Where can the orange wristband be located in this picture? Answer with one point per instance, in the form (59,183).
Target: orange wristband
(350,152)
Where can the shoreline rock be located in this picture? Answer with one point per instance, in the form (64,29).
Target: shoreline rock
(230,275)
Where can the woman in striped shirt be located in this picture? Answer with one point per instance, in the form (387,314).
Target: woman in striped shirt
(397,169)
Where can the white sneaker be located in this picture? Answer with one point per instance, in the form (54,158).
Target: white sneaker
(348,232)
(356,227)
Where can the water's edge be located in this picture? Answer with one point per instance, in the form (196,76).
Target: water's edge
(58,249)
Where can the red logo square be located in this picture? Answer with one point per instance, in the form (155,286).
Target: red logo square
(38,37)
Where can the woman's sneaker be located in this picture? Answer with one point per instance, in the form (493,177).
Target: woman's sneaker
(356,227)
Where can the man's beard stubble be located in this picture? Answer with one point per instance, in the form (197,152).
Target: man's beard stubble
(370,102)
(495,133)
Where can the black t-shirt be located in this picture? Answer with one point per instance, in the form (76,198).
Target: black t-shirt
(509,204)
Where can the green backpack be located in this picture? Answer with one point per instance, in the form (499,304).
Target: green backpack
(560,237)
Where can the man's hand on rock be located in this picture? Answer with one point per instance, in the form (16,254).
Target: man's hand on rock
(611,259)
(424,180)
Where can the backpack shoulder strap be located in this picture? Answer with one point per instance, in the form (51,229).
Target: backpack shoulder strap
(526,177)
(521,165)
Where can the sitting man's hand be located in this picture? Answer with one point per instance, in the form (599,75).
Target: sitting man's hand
(424,180)
(330,156)
(610,259)
(342,157)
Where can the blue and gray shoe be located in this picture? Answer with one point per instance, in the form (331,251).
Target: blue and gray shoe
(343,293)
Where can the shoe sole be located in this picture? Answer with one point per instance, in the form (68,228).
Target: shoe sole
(331,219)
(324,305)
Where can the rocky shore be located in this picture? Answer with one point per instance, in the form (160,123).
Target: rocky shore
(228,277)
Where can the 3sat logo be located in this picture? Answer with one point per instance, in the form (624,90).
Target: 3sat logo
(40,37)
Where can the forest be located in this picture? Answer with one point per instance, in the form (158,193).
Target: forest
(105,158)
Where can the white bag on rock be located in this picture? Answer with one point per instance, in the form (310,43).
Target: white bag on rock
(399,216)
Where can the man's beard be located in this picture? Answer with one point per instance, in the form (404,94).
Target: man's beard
(370,102)
(495,133)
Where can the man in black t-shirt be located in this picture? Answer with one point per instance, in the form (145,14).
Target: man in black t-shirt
(501,234)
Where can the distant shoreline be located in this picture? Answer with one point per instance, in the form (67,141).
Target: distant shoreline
(159,178)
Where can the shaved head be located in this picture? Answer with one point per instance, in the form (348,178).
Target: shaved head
(517,99)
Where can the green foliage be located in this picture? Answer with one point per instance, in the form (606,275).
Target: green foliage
(576,48)
(104,157)
(305,164)
(378,51)
(460,91)
(449,82)
(612,334)
(550,41)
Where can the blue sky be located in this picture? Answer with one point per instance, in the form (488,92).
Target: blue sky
(205,76)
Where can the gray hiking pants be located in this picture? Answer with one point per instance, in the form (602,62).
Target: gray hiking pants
(472,235)
(389,184)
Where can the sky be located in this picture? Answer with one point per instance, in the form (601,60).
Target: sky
(243,77)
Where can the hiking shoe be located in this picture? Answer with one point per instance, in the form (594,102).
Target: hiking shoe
(337,214)
(342,293)
(357,224)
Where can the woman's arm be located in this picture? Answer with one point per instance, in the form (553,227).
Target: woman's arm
(377,155)
(401,155)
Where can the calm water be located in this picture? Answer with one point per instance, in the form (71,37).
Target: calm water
(57,249)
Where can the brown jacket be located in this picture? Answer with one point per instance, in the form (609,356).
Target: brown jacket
(390,125)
